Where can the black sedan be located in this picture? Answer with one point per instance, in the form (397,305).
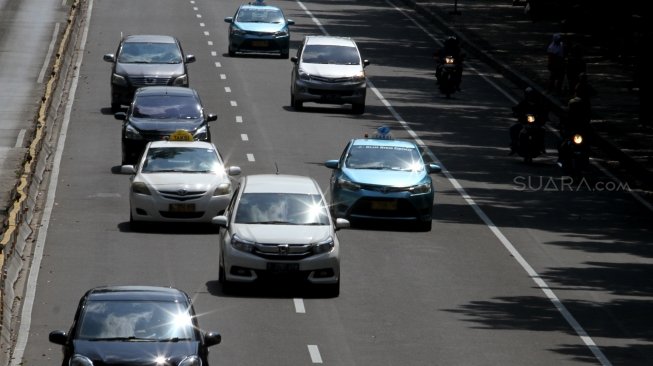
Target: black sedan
(135,325)
(159,111)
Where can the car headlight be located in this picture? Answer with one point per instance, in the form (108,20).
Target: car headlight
(324,246)
(347,184)
(421,188)
(79,360)
(237,32)
(303,75)
(222,189)
(118,80)
(358,77)
(191,361)
(202,134)
(242,245)
(181,80)
(281,33)
(141,188)
(131,133)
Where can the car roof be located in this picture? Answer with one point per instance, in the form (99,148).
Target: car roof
(330,40)
(383,142)
(254,6)
(166,90)
(194,144)
(280,183)
(136,293)
(153,38)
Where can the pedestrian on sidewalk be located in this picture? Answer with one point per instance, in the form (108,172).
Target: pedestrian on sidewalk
(556,63)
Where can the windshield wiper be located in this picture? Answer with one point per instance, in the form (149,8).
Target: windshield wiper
(173,339)
(275,222)
(122,339)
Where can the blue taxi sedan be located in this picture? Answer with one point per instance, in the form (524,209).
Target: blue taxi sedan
(257,28)
(383,179)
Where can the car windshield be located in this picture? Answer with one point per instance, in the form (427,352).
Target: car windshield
(149,53)
(329,54)
(281,208)
(135,321)
(167,107)
(384,157)
(181,159)
(250,15)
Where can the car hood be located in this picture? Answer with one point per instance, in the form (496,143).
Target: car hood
(133,352)
(152,70)
(186,181)
(332,70)
(261,27)
(166,125)
(385,177)
(284,234)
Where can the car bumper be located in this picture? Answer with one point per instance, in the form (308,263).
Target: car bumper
(256,44)
(367,204)
(330,93)
(245,267)
(155,208)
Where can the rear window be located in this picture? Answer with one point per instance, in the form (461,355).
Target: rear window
(330,54)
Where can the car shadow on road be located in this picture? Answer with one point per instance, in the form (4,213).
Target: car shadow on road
(169,228)
(275,289)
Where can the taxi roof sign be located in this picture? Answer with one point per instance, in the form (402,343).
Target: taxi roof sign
(181,135)
(382,133)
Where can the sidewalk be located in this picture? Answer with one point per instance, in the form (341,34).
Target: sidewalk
(501,34)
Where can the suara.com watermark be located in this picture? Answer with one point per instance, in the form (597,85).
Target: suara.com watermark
(566,184)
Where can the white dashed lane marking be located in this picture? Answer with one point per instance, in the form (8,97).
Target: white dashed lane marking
(250,157)
(244,137)
(315,353)
(299,306)
(233,103)
(239,119)
(227,89)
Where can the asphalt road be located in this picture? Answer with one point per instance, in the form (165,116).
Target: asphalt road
(522,267)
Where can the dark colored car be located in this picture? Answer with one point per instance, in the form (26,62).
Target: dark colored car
(157,112)
(135,325)
(259,29)
(144,60)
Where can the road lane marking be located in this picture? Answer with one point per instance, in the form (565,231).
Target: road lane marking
(217,64)
(315,353)
(210,43)
(227,89)
(239,119)
(214,53)
(233,103)
(198,15)
(223,76)
(244,137)
(20,138)
(206,33)
(250,157)
(203,25)
(48,56)
(299,306)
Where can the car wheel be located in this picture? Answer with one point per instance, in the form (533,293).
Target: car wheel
(232,53)
(134,225)
(358,108)
(295,103)
(115,107)
(424,225)
(285,55)
(332,289)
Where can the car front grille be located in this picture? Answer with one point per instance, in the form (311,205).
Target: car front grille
(384,189)
(284,251)
(181,215)
(182,195)
(340,93)
(331,80)
(363,207)
(149,81)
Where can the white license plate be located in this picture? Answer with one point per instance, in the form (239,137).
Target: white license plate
(182,207)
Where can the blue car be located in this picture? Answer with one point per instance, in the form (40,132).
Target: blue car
(381,178)
(259,28)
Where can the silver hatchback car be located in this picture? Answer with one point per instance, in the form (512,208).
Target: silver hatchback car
(328,70)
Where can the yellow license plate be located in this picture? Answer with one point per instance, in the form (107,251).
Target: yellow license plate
(384,205)
(182,207)
(259,43)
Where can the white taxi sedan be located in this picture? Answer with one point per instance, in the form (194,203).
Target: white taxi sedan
(179,181)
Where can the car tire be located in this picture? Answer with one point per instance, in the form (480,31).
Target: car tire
(134,226)
(332,289)
(424,225)
(285,55)
(115,107)
(232,53)
(295,103)
(358,108)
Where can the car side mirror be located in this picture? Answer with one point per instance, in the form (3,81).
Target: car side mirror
(331,164)
(293,59)
(211,117)
(290,22)
(342,224)
(190,59)
(221,221)
(120,116)
(366,63)
(109,57)
(433,168)
(229,20)
(233,170)
(127,169)
(212,338)
(58,337)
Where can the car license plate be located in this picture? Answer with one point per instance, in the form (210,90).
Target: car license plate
(283,267)
(259,43)
(182,207)
(384,205)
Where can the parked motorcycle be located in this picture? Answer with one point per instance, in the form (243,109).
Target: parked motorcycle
(447,76)
(573,154)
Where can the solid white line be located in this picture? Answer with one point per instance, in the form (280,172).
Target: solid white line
(244,137)
(239,119)
(299,306)
(30,292)
(250,157)
(315,353)
(20,138)
(48,56)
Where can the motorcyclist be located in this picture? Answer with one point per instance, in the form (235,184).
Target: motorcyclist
(451,47)
(529,105)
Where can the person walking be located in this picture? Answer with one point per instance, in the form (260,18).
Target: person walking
(556,63)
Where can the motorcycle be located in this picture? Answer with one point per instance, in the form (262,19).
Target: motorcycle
(447,76)
(529,143)
(573,154)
